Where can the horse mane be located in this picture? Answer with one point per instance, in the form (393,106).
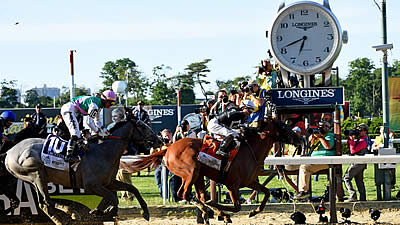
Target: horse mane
(250,131)
(118,125)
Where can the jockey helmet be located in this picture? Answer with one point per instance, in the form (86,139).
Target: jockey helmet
(109,95)
(247,104)
(8,115)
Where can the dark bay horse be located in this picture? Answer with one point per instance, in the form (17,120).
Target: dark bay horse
(95,173)
(181,159)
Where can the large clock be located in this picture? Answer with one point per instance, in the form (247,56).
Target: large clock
(305,38)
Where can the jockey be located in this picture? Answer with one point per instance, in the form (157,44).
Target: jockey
(86,105)
(6,120)
(222,125)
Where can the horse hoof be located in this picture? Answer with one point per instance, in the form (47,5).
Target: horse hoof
(227,219)
(146,216)
(75,216)
(252,213)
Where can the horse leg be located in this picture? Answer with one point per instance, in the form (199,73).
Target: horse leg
(45,203)
(201,196)
(259,187)
(121,186)
(235,196)
(109,198)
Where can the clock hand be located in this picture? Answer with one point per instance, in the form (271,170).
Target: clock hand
(302,44)
(294,42)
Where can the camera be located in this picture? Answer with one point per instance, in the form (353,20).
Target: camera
(354,132)
(244,87)
(318,130)
(225,99)
(165,140)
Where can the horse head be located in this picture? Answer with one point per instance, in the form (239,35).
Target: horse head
(144,134)
(281,132)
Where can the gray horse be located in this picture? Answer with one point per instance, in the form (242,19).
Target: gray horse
(95,173)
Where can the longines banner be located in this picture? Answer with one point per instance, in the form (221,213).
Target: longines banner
(307,96)
(394,103)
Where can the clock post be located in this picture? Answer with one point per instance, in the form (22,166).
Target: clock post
(305,39)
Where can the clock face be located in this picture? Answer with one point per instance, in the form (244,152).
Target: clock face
(305,38)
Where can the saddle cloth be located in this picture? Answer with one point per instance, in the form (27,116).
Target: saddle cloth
(54,151)
(207,154)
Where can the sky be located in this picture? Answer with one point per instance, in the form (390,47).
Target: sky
(175,33)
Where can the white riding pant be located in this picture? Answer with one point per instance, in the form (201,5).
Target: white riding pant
(68,113)
(215,128)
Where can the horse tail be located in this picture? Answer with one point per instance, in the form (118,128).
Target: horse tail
(153,160)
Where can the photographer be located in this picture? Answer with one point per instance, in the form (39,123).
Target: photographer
(268,75)
(222,103)
(321,143)
(256,95)
(182,131)
(358,144)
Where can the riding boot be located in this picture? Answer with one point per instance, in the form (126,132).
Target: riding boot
(225,146)
(72,145)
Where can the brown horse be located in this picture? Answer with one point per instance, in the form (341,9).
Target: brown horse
(181,159)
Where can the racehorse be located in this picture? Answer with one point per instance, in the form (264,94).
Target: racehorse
(181,159)
(95,173)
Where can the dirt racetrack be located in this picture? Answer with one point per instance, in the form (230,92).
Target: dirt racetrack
(388,216)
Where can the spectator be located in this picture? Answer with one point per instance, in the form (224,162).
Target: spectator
(379,140)
(182,131)
(222,103)
(166,136)
(6,120)
(86,105)
(268,75)
(39,121)
(141,114)
(117,115)
(256,95)
(321,144)
(234,97)
(358,145)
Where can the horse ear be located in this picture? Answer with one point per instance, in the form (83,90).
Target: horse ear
(128,113)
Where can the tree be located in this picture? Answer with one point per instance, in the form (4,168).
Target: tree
(360,86)
(230,85)
(8,94)
(162,93)
(65,94)
(198,72)
(119,70)
(31,98)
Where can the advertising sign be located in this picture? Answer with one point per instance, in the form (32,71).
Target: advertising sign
(307,96)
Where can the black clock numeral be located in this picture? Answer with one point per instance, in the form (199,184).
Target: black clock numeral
(326,23)
(305,63)
(304,12)
(284,25)
(293,59)
(279,38)
(330,37)
(283,51)
(317,59)
(327,49)
(317,15)
(291,16)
